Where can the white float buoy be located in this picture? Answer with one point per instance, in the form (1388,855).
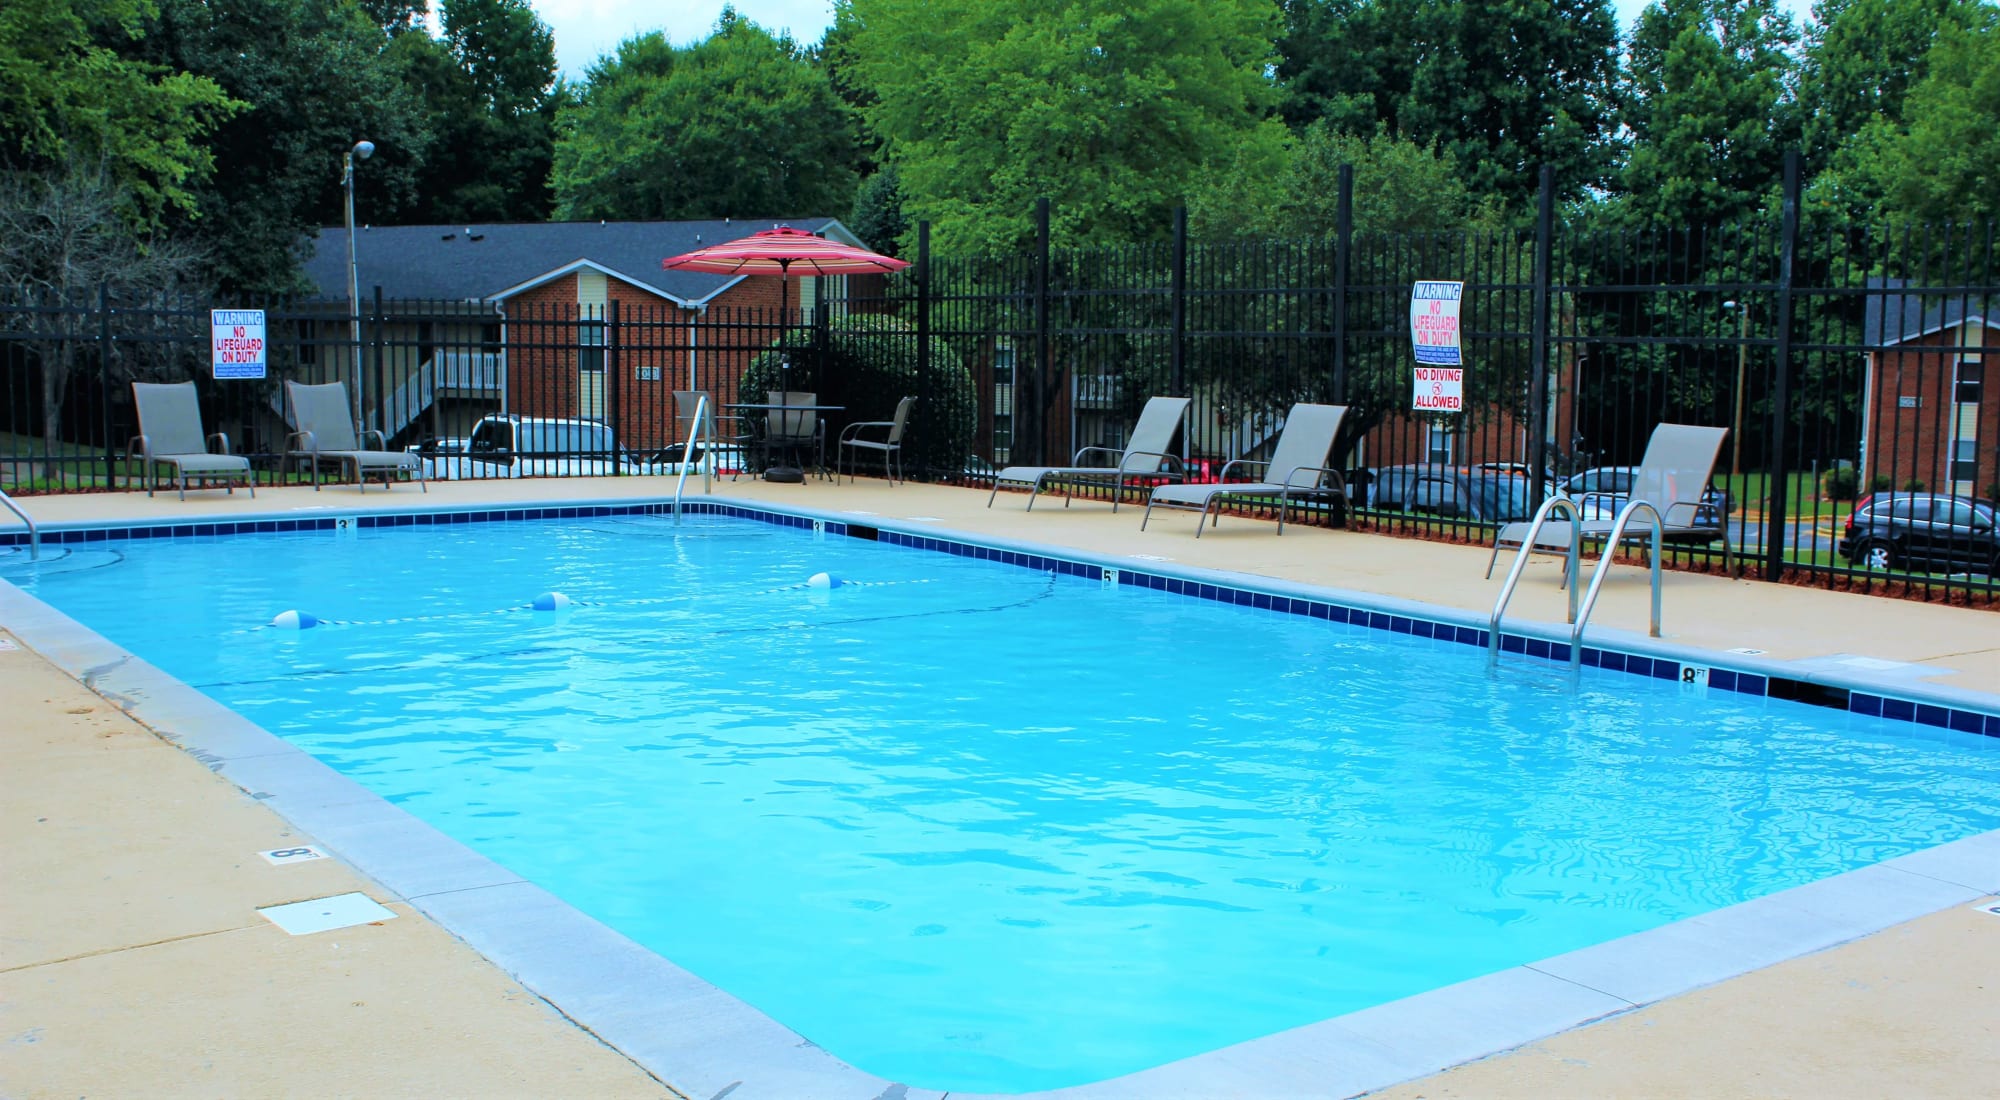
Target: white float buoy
(550,601)
(823,580)
(294,620)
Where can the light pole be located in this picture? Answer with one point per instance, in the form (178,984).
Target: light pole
(362,150)
(1742,354)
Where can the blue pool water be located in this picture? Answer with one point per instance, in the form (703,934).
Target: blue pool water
(977,827)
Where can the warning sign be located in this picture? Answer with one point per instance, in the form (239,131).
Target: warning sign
(237,339)
(1434,323)
(1440,389)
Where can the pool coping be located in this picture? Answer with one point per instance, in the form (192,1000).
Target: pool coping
(704,1040)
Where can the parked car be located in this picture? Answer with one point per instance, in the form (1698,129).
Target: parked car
(1456,492)
(1602,490)
(533,446)
(1934,532)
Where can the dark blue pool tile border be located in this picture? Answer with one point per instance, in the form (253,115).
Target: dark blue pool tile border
(1658,668)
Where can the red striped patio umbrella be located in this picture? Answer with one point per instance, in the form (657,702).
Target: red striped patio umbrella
(776,251)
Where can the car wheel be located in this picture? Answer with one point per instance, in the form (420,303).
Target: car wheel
(1876,554)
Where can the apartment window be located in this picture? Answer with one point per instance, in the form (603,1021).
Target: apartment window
(1971,374)
(1440,445)
(1964,459)
(590,370)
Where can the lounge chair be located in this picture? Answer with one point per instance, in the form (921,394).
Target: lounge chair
(1143,457)
(1296,468)
(326,432)
(891,443)
(1672,477)
(170,435)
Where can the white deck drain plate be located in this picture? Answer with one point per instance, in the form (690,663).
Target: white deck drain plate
(302,918)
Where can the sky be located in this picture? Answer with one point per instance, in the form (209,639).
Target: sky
(588,29)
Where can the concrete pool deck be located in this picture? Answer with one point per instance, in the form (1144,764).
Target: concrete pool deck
(135,960)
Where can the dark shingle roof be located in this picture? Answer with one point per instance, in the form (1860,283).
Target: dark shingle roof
(1898,318)
(457,262)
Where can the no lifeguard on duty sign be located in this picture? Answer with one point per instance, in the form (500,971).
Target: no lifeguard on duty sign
(237,337)
(1434,338)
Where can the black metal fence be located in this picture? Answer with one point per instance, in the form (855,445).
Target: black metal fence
(1844,360)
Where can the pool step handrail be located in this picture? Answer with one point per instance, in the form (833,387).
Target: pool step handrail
(701,420)
(1548,511)
(34,532)
(1611,543)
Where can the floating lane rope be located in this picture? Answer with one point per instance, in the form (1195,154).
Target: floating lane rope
(556,601)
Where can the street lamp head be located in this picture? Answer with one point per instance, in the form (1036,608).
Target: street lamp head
(364,149)
(1730,304)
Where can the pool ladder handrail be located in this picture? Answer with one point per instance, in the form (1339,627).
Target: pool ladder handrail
(34,533)
(701,419)
(1579,617)
(1543,514)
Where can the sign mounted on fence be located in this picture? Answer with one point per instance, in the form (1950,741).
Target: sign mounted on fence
(236,336)
(1439,389)
(1434,323)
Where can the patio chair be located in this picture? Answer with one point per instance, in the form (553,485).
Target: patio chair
(1145,456)
(1672,477)
(327,432)
(891,443)
(796,431)
(170,435)
(1297,468)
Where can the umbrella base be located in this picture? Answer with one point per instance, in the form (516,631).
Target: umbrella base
(788,475)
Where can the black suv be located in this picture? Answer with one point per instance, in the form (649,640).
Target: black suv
(1928,531)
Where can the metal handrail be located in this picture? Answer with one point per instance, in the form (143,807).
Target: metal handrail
(34,533)
(1604,566)
(701,418)
(1542,515)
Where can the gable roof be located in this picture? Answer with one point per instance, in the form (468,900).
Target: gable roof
(464,263)
(1897,318)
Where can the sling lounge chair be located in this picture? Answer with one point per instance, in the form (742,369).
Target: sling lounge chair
(1296,468)
(326,432)
(1144,456)
(1673,478)
(170,435)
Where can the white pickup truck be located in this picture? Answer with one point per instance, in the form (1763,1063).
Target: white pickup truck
(536,446)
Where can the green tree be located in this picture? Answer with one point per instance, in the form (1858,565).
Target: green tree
(1401,187)
(491,88)
(315,77)
(741,124)
(1709,110)
(69,97)
(1941,162)
(1109,108)
(1504,86)
(1861,59)
(878,216)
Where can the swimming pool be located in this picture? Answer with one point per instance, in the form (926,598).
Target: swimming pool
(1100,866)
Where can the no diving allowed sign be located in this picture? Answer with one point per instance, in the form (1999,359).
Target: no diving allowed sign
(1439,385)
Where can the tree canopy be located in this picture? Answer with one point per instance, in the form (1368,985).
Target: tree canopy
(741,124)
(1109,108)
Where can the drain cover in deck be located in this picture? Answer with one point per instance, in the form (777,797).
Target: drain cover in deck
(302,918)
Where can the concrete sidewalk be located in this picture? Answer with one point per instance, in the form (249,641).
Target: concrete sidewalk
(133,960)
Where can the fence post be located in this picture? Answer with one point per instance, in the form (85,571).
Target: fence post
(1538,353)
(926,387)
(104,371)
(614,393)
(1044,353)
(1777,472)
(1177,351)
(381,380)
(1343,222)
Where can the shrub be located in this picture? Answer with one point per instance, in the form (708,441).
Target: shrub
(1914,485)
(1840,483)
(1880,483)
(868,364)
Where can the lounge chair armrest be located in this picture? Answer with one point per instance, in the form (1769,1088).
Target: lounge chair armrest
(307,440)
(362,434)
(140,446)
(221,438)
(1180,468)
(1112,452)
(1325,479)
(1230,467)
